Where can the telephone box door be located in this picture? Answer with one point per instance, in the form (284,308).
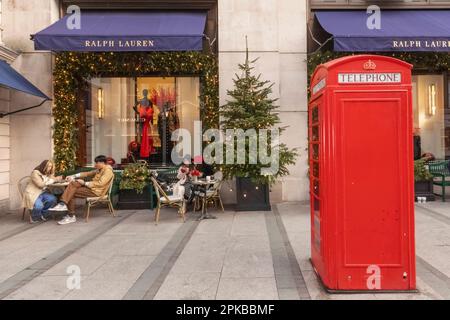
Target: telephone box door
(375,235)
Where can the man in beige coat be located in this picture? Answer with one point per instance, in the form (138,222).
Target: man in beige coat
(78,188)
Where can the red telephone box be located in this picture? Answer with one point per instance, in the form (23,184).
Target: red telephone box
(361,174)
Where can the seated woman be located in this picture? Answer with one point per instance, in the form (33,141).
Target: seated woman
(183,177)
(36,196)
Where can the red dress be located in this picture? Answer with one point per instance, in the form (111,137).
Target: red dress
(147,142)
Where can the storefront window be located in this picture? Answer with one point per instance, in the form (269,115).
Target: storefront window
(123,124)
(447,121)
(429,113)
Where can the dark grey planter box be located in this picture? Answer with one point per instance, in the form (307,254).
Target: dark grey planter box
(251,197)
(130,199)
(424,189)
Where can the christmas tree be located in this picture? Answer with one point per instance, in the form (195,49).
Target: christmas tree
(251,107)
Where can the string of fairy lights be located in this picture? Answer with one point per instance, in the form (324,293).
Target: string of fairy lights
(74,69)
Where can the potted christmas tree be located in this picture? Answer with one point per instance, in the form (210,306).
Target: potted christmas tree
(250,107)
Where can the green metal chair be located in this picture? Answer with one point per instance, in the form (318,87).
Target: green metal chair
(170,175)
(440,170)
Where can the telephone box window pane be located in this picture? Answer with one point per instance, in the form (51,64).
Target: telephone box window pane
(315,151)
(315,114)
(316,204)
(315,133)
(317,238)
(316,169)
(316,187)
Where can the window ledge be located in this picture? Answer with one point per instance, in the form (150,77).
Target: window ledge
(7,54)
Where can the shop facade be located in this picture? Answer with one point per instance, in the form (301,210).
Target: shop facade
(417,33)
(25,136)
(95,89)
(7,55)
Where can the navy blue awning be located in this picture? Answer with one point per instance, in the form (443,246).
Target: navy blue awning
(126,31)
(401,30)
(11,79)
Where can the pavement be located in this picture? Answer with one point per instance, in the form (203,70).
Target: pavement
(239,255)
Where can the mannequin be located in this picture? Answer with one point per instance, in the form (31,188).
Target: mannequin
(144,108)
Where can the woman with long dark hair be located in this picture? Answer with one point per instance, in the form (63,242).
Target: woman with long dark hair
(36,197)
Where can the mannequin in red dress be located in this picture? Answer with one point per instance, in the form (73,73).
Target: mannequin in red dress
(145,110)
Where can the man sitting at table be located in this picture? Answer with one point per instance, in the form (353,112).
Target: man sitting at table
(78,188)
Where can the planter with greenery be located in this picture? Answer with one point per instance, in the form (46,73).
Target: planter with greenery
(423,181)
(251,107)
(135,188)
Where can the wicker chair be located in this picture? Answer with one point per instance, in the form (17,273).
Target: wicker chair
(164,200)
(212,194)
(105,199)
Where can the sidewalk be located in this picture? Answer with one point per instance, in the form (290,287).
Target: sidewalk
(245,255)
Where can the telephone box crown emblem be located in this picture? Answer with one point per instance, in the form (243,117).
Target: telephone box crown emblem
(369,65)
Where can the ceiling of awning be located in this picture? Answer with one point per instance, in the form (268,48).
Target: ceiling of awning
(11,79)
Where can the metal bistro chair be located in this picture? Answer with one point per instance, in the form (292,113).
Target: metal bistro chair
(164,200)
(105,199)
(212,194)
(21,185)
(439,169)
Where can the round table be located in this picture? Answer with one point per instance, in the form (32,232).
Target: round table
(204,184)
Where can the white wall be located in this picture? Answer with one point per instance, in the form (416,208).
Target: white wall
(30,131)
(276,31)
(4,151)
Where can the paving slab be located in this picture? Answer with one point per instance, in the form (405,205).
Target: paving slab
(248,256)
(190,286)
(99,289)
(432,239)
(240,255)
(438,206)
(43,288)
(247,289)
(122,268)
(249,223)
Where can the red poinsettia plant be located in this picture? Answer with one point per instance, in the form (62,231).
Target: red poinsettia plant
(195,173)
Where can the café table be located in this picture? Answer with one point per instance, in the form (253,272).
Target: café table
(59,184)
(204,185)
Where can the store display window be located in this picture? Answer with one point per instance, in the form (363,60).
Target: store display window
(132,119)
(429,115)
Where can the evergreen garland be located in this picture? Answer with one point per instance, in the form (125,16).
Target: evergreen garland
(74,69)
(432,62)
